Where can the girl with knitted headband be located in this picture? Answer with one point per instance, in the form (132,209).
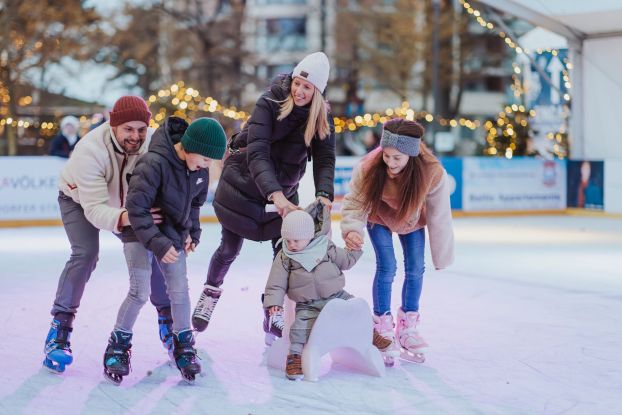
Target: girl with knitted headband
(400,188)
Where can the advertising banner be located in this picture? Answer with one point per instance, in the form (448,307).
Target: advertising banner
(516,184)
(29,187)
(586,184)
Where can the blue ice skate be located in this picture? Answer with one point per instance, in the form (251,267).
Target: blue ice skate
(56,350)
(165,324)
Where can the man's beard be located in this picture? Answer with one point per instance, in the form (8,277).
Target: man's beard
(132,148)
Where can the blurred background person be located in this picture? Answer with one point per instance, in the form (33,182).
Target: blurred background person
(63,144)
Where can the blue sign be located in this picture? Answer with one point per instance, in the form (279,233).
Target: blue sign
(540,91)
(454,171)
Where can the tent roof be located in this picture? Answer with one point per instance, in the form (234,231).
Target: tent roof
(576,20)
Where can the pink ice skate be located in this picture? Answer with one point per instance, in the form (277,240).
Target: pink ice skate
(384,326)
(411,342)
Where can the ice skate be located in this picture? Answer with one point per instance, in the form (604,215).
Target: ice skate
(57,347)
(293,367)
(117,356)
(186,355)
(412,345)
(165,329)
(273,326)
(384,326)
(205,307)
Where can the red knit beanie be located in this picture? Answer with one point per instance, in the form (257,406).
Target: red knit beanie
(129,108)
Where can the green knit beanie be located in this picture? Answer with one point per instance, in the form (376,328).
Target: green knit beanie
(206,137)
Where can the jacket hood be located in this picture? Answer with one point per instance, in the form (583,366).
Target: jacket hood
(321,218)
(166,136)
(280,86)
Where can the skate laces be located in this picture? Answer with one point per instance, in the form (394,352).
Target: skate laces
(277,320)
(206,305)
(384,325)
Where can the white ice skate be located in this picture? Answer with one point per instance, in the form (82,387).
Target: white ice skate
(412,345)
(385,327)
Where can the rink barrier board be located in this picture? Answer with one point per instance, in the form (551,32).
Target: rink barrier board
(337,216)
(29,188)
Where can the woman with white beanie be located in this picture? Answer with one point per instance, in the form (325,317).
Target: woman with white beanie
(289,125)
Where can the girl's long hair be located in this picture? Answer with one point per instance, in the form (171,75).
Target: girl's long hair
(317,123)
(411,179)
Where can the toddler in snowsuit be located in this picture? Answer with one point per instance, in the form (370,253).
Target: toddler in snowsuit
(309,270)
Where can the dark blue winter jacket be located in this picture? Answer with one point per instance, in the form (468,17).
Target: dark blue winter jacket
(161,179)
(273,157)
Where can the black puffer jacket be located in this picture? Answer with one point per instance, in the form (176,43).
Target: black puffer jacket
(162,179)
(273,158)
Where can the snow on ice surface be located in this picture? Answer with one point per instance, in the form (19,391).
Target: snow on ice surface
(527,321)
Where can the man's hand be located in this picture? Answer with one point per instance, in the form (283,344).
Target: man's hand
(171,256)
(124,220)
(156,214)
(354,241)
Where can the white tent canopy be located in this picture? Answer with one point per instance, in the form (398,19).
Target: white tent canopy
(593,30)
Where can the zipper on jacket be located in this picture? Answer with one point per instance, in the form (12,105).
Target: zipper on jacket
(121,178)
(188,198)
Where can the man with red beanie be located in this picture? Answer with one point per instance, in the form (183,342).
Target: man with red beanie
(93,186)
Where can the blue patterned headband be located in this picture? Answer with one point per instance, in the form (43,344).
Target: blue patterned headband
(403,143)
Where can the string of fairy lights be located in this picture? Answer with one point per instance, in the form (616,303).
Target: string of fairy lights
(181,100)
(503,128)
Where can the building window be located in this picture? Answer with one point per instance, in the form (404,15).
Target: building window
(266,2)
(274,70)
(287,34)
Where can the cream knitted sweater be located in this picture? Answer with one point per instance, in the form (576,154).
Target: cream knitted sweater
(96,176)
(435,213)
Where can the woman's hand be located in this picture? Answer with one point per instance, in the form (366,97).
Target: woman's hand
(354,241)
(325,201)
(283,206)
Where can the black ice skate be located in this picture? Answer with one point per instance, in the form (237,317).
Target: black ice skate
(205,307)
(117,356)
(186,355)
(273,326)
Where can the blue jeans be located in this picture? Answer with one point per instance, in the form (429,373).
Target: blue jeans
(413,245)
(139,260)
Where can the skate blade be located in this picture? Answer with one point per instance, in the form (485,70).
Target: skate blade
(415,357)
(295,378)
(189,379)
(269,338)
(113,378)
(53,367)
(389,361)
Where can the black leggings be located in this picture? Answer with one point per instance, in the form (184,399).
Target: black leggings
(227,252)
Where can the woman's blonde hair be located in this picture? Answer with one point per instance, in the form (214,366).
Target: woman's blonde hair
(317,123)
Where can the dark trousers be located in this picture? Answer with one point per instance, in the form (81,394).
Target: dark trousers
(84,240)
(227,252)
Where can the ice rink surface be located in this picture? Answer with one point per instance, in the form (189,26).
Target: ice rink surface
(527,321)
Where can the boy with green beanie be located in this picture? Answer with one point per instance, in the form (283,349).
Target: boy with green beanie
(172,176)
